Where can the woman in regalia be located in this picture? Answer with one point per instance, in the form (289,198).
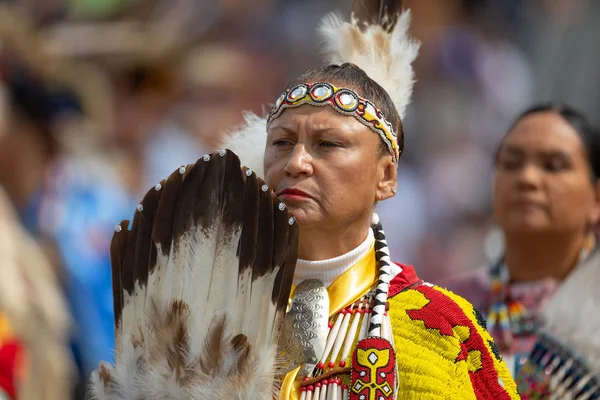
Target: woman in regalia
(546,204)
(228,286)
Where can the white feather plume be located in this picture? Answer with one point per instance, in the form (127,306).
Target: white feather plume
(386,57)
(248,141)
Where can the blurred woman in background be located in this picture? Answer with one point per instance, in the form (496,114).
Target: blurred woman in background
(546,203)
(59,195)
(35,361)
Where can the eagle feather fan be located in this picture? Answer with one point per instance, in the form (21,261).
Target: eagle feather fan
(201,282)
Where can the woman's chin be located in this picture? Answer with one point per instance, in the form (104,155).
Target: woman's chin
(303,217)
(529,225)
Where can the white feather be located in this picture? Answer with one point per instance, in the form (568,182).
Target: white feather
(248,142)
(572,316)
(386,57)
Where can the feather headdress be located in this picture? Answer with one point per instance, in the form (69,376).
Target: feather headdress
(201,281)
(377,43)
(565,362)
(376,40)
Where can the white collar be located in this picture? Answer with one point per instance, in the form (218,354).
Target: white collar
(328,270)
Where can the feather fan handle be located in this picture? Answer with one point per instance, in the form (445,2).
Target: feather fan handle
(378,43)
(201,283)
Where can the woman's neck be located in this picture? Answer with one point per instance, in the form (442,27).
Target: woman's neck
(328,270)
(316,245)
(542,256)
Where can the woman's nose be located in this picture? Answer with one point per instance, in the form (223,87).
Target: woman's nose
(300,162)
(529,177)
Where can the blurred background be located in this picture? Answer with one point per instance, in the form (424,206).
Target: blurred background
(101,99)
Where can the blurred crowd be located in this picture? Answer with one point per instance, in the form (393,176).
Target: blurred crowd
(101,99)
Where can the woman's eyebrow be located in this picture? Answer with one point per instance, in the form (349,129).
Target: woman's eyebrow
(519,151)
(554,154)
(287,129)
(513,150)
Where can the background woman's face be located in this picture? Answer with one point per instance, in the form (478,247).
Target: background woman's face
(325,166)
(543,179)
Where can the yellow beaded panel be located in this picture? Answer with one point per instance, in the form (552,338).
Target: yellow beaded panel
(442,351)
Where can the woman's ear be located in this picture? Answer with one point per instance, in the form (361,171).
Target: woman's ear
(595,216)
(386,187)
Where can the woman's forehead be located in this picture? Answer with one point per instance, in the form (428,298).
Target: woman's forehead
(311,118)
(544,131)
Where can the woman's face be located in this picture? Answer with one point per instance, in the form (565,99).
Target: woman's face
(543,179)
(326,167)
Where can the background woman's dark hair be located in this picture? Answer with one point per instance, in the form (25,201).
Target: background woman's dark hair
(590,136)
(38,104)
(352,77)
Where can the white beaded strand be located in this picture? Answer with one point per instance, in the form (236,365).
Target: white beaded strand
(366,320)
(330,339)
(341,336)
(317,392)
(351,334)
(323,394)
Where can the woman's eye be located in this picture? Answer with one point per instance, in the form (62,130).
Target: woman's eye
(555,165)
(511,164)
(325,143)
(282,142)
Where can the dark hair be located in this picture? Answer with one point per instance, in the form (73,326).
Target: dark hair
(39,104)
(352,77)
(589,135)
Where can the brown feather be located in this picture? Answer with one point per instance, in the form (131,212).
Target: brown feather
(212,359)
(232,204)
(242,347)
(377,12)
(118,247)
(281,235)
(127,271)
(162,232)
(287,277)
(171,340)
(186,211)
(247,248)
(145,252)
(263,262)
(207,175)
(104,373)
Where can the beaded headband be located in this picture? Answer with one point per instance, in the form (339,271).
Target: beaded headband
(344,101)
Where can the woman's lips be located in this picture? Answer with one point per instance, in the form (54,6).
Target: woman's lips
(292,193)
(527,204)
